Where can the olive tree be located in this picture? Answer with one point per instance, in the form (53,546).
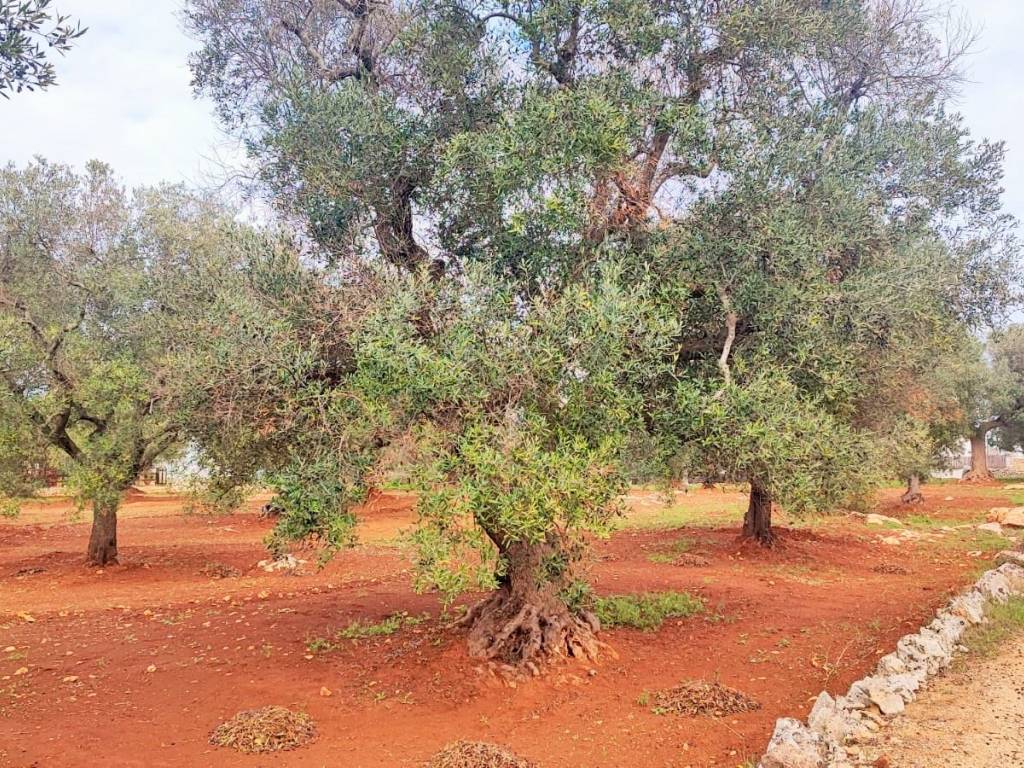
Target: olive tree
(561,155)
(991,394)
(86,271)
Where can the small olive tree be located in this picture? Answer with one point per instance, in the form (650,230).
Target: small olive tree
(86,276)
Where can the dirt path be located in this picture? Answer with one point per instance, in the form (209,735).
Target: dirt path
(971,718)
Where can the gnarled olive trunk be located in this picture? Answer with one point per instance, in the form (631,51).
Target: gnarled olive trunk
(526,620)
(979,471)
(103,539)
(913,494)
(757,524)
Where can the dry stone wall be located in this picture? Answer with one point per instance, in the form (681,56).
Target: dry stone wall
(838,727)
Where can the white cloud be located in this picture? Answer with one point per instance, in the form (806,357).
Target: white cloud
(123,96)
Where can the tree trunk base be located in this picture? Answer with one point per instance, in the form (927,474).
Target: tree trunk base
(973,476)
(912,497)
(527,631)
(757,523)
(102,554)
(766,539)
(102,548)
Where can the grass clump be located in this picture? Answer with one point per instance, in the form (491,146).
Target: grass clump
(476,754)
(269,729)
(363,630)
(662,558)
(1004,621)
(647,611)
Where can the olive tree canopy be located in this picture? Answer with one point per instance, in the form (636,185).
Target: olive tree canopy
(599,225)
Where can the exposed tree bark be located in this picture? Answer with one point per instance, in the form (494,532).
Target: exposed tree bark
(103,539)
(979,471)
(757,524)
(913,494)
(525,621)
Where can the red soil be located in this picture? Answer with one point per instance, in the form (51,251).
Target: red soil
(780,626)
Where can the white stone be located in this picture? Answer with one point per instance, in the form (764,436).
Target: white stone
(891,664)
(908,684)
(995,528)
(888,701)
(793,745)
(1012,568)
(876,519)
(835,724)
(1012,516)
(924,649)
(969,606)
(994,586)
(287,563)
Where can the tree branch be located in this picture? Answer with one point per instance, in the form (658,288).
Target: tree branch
(730,337)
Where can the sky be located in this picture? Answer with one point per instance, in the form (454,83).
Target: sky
(123,96)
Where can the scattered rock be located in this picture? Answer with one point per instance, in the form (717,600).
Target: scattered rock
(1011,516)
(151,668)
(21,671)
(325,691)
(995,528)
(286,563)
(876,519)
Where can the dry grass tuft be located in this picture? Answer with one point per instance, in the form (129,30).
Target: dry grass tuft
(219,571)
(269,729)
(891,569)
(690,560)
(476,754)
(699,697)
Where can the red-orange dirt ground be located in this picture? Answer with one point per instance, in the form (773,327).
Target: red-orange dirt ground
(134,665)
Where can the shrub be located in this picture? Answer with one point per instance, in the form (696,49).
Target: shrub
(647,611)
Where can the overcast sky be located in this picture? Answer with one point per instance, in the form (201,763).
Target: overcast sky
(123,96)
